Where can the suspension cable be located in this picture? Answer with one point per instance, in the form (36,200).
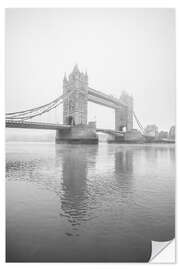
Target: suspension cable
(138,122)
(37,114)
(35,108)
(25,115)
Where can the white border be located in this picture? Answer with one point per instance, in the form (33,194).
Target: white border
(68,3)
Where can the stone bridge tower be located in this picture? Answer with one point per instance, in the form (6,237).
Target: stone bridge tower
(124,115)
(75,106)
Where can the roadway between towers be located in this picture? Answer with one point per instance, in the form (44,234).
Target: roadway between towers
(103,99)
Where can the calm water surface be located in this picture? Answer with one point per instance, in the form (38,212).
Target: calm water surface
(101,202)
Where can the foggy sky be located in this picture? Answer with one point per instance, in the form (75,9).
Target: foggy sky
(121,49)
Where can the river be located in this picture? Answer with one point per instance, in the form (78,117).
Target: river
(93,203)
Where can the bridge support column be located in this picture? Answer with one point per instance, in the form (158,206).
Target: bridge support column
(75,106)
(85,134)
(124,114)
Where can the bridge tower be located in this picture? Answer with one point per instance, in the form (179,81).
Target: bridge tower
(75,106)
(124,115)
(75,110)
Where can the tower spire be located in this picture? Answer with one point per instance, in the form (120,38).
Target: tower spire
(86,75)
(76,68)
(65,77)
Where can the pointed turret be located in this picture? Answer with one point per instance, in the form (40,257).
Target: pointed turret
(86,76)
(76,69)
(65,78)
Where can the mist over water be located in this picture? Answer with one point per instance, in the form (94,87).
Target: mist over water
(101,202)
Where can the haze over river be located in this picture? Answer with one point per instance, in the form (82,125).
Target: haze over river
(101,202)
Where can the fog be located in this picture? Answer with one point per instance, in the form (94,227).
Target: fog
(121,49)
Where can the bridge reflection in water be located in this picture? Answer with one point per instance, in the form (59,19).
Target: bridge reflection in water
(112,201)
(74,199)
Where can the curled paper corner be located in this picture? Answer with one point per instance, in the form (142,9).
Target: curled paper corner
(163,252)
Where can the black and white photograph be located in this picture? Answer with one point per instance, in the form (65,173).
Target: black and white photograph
(90,134)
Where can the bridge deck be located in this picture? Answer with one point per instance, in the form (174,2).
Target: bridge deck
(110,131)
(50,126)
(35,125)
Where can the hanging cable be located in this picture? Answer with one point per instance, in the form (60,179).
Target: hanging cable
(25,115)
(138,122)
(36,108)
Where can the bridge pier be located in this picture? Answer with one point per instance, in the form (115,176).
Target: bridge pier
(115,139)
(84,134)
(132,136)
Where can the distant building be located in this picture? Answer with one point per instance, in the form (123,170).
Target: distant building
(172,133)
(151,131)
(163,134)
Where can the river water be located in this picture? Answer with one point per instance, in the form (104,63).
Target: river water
(88,203)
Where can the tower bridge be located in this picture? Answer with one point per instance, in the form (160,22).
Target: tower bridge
(75,97)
